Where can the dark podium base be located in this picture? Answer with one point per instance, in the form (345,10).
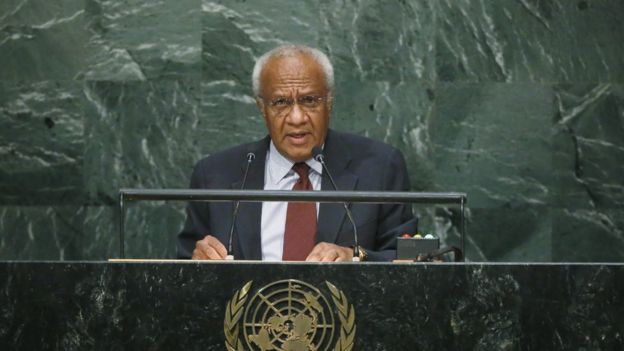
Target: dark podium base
(181,306)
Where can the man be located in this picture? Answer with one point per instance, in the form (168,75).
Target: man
(294,90)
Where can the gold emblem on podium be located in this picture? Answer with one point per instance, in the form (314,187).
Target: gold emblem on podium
(289,315)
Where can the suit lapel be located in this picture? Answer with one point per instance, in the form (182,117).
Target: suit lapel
(248,223)
(332,215)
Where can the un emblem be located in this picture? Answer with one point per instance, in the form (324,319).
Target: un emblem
(289,315)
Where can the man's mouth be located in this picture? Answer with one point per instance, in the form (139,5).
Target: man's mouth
(297,137)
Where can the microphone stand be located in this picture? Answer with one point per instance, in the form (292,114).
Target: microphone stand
(318,156)
(230,257)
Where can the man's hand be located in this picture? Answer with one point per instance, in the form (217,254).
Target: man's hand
(209,248)
(326,252)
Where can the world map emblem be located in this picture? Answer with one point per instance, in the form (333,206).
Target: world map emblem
(289,315)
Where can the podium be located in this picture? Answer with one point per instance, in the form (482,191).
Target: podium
(375,306)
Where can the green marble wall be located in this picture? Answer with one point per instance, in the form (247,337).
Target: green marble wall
(519,103)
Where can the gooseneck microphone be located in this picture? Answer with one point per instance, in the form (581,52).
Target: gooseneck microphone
(317,153)
(250,157)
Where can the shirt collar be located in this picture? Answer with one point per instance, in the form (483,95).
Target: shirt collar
(280,166)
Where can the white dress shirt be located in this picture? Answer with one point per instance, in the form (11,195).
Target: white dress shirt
(278,175)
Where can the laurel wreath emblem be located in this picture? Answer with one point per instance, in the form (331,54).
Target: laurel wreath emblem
(235,308)
(346,314)
(233,313)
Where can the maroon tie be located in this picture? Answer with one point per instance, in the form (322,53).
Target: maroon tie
(300,231)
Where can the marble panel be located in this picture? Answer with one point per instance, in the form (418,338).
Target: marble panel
(493,141)
(366,40)
(229,116)
(588,235)
(151,229)
(41,143)
(140,135)
(530,41)
(41,232)
(42,40)
(101,233)
(588,148)
(138,40)
(520,234)
(399,115)
(515,234)
(380,40)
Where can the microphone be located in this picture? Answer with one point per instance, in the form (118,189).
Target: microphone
(317,154)
(250,157)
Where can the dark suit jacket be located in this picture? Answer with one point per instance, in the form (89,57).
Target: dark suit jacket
(356,163)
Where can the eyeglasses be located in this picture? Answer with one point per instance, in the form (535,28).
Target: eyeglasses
(282,105)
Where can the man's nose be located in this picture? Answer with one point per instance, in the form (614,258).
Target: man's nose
(297,114)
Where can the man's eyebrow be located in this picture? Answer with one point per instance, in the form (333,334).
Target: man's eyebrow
(279,93)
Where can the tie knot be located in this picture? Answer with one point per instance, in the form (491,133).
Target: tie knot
(302,169)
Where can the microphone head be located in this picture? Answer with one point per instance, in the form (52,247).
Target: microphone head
(251,156)
(317,153)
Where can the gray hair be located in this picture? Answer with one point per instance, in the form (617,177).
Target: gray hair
(292,50)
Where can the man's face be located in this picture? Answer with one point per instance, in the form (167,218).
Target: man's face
(295,104)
